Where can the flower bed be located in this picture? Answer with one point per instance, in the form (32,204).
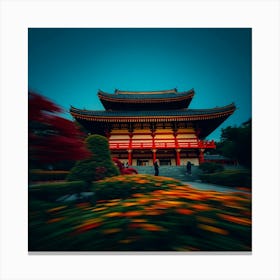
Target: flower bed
(126,185)
(152,214)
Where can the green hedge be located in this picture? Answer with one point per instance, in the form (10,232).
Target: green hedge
(45,175)
(52,191)
(230,178)
(211,167)
(123,186)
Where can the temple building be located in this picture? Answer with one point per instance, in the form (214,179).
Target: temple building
(149,125)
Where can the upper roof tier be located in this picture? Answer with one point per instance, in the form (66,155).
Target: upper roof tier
(146,100)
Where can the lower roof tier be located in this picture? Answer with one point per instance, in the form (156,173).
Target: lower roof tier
(204,120)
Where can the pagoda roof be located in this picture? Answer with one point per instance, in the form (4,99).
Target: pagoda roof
(209,119)
(146,100)
(174,90)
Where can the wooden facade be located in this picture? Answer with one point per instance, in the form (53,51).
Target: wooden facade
(144,126)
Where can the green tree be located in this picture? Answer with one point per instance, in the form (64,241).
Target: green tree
(236,143)
(98,166)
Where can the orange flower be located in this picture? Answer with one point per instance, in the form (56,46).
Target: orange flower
(139,220)
(154,213)
(112,203)
(133,214)
(206,220)
(161,205)
(237,220)
(125,241)
(184,211)
(143,181)
(174,203)
(56,209)
(201,207)
(86,227)
(171,185)
(99,209)
(175,193)
(91,221)
(143,200)
(213,229)
(127,204)
(113,214)
(54,220)
(112,230)
(152,227)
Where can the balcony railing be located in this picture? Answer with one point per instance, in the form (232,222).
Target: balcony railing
(162,144)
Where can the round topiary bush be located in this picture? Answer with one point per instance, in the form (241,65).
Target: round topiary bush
(98,166)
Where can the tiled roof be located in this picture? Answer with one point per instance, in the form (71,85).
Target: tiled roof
(142,96)
(174,90)
(173,113)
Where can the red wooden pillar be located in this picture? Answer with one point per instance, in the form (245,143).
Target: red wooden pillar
(201,156)
(129,157)
(154,155)
(153,139)
(178,158)
(176,140)
(130,140)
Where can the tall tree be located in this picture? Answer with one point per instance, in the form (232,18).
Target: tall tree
(236,143)
(51,138)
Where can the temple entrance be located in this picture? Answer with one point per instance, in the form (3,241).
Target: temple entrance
(165,162)
(142,162)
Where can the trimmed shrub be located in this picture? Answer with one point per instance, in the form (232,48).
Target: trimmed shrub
(170,217)
(52,191)
(45,175)
(230,178)
(211,167)
(125,186)
(98,166)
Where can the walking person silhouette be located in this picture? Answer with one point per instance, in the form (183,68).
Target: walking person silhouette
(156,167)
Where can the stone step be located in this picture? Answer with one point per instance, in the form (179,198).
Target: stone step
(176,172)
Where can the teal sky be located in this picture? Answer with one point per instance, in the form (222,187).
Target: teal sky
(69,65)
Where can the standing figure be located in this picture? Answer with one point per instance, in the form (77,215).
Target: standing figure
(189,168)
(156,166)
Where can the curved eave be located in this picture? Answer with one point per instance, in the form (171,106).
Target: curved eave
(137,98)
(215,113)
(173,90)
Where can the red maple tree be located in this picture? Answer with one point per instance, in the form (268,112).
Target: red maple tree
(52,138)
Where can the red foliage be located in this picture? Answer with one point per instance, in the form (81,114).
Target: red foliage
(124,170)
(52,138)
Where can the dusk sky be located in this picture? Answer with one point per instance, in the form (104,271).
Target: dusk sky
(69,65)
